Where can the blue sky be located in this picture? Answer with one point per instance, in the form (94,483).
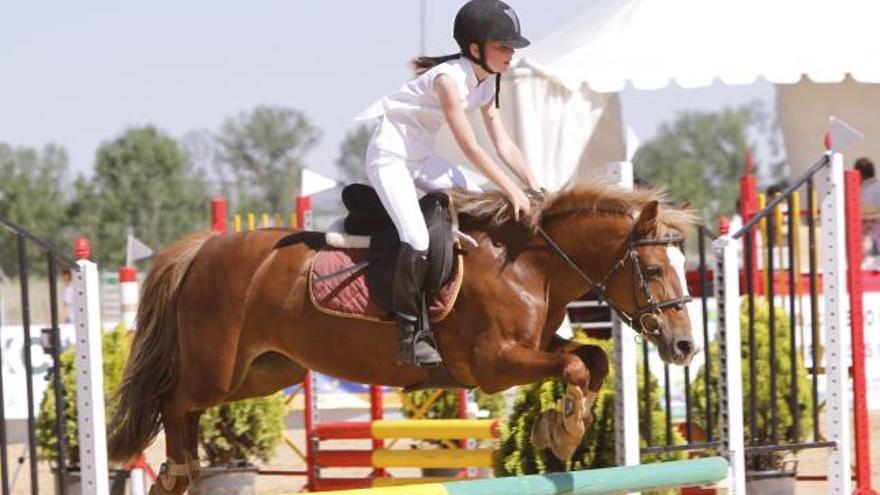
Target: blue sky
(79,73)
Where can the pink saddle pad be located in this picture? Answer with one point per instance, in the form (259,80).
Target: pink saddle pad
(347,294)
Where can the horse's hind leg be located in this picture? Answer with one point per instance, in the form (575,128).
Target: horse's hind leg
(181,450)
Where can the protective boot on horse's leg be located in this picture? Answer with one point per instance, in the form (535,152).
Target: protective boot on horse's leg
(416,345)
(181,465)
(560,430)
(596,361)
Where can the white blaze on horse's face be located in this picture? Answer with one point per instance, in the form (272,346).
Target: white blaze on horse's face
(676,259)
(682,345)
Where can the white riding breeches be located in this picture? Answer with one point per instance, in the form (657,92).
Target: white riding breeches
(395,180)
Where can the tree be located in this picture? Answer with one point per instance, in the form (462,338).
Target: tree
(142,180)
(261,152)
(699,157)
(351,154)
(200,147)
(32,195)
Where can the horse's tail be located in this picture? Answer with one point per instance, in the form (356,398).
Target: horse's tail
(152,368)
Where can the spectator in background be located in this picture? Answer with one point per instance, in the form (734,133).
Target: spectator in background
(870,186)
(870,203)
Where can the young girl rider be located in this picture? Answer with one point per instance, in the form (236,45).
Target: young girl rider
(401,154)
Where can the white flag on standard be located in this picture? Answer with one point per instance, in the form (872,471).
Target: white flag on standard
(313,182)
(135,250)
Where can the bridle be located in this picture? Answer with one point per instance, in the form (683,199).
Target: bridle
(644,314)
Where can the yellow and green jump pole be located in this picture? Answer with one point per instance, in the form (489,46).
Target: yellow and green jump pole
(655,476)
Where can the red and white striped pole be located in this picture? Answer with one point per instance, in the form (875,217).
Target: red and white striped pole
(128,292)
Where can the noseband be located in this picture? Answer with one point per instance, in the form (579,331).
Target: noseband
(644,314)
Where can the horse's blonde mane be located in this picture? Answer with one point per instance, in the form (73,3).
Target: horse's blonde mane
(494,208)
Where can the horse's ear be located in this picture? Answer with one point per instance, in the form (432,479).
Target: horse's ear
(646,224)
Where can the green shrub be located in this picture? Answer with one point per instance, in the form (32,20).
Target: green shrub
(240,432)
(763,433)
(517,456)
(115,346)
(233,433)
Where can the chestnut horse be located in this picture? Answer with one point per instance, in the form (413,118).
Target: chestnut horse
(226,317)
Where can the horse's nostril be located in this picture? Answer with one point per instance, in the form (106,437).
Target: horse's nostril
(685,347)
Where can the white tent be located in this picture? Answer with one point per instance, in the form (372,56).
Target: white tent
(823,55)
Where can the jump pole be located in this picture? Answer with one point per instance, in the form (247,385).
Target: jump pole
(705,471)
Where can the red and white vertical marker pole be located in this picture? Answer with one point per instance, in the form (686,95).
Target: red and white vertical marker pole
(129,298)
(128,292)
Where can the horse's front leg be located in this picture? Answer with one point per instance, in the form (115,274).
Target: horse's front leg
(596,361)
(583,369)
(562,430)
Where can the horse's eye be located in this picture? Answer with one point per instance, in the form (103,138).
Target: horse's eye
(653,271)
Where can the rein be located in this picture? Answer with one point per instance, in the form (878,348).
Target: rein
(652,309)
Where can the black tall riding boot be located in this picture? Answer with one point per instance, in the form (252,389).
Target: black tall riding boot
(417,346)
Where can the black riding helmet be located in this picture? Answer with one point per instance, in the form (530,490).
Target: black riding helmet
(480,20)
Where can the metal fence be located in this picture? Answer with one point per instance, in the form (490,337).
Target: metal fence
(50,339)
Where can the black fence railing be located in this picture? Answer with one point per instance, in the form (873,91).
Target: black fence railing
(778,287)
(54,259)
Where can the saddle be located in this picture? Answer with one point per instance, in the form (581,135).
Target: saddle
(342,265)
(351,275)
(367,216)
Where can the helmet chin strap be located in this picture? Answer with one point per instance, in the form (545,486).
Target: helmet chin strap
(482,63)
